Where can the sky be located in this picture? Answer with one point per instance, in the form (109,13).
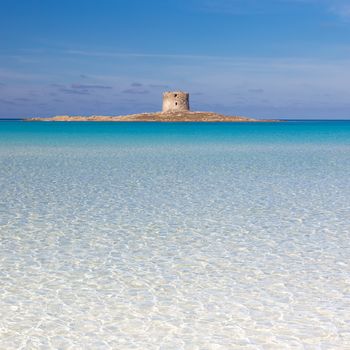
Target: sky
(256,58)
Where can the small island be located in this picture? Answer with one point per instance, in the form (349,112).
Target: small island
(176,108)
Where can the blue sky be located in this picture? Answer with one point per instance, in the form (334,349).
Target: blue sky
(259,58)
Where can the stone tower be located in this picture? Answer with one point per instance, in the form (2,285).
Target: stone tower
(175,101)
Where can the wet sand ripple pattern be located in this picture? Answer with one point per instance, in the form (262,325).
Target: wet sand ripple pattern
(186,247)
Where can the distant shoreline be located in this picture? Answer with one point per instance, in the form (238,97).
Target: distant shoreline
(154,117)
(290,120)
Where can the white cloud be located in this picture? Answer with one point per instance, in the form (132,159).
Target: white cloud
(340,8)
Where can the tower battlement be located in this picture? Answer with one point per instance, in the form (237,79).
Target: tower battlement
(176,101)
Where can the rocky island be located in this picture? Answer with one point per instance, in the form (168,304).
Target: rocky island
(175,109)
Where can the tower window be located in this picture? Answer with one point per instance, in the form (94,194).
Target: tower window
(175,95)
(175,103)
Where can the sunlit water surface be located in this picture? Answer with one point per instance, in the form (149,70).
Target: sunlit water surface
(175,236)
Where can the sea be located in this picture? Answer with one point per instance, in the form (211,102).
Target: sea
(175,235)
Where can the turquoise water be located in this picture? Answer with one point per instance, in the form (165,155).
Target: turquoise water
(174,236)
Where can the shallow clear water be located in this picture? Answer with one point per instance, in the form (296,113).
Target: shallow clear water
(175,236)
